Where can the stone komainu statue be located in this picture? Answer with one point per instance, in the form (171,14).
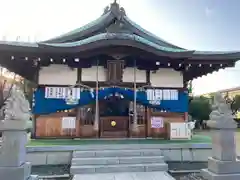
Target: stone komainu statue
(221,116)
(221,111)
(16,106)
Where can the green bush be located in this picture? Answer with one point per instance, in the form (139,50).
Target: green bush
(200,108)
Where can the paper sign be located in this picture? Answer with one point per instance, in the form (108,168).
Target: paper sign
(68,122)
(180,131)
(157,122)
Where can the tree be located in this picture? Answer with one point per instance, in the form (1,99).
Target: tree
(234,102)
(7,82)
(200,108)
(28,89)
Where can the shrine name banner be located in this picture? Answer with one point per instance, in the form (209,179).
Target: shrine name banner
(157,122)
(68,122)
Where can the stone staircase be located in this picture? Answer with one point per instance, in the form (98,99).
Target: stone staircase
(117,160)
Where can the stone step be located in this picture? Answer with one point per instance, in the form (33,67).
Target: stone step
(90,169)
(125,176)
(117,160)
(117,153)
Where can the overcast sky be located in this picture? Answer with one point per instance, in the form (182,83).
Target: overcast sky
(192,24)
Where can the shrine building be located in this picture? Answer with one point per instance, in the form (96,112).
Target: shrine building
(109,79)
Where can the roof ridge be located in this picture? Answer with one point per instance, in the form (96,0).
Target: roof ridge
(114,11)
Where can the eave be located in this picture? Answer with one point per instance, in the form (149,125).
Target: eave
(192,68)
(116,39)
(216,55)
(91,40)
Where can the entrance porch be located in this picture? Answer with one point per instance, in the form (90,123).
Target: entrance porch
(50,126)
(114,119)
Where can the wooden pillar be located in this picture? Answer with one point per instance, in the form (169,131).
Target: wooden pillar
(34,127)
(34,117)
(146,121)
(147,110)
(78,109)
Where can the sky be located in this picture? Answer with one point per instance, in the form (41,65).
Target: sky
(209,25)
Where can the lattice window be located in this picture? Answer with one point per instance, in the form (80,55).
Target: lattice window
(86,115)
(140,113)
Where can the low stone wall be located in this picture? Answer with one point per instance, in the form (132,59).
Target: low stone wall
(49,158)
(172,152)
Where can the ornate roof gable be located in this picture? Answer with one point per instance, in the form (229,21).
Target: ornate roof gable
(113,20)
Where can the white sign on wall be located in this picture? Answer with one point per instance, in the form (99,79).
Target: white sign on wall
(157,122)
(62,93)
(156,95)
(180,131)
(68,122)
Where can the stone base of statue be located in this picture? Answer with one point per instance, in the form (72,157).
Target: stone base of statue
(13,165)
(223,165)
(221,170)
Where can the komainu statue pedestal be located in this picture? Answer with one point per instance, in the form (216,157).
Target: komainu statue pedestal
(13,165)
(223,165)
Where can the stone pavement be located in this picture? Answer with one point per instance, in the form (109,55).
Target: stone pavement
(125,176)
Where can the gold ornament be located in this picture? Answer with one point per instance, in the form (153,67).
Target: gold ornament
(113,123)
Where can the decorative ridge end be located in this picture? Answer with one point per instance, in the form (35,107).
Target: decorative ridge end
(115,9)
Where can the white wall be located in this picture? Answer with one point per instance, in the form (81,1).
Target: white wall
(57,75)
(128,75)
(166,77)
(89,74)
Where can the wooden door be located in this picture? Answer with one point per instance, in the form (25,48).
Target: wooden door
(119,129)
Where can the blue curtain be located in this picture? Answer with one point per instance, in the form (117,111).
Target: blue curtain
(44,105)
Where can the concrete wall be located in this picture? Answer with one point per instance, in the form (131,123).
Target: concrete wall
(57,75)
(172,152)
(49,158)
(166,77)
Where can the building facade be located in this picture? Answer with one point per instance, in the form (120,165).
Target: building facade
(110,78)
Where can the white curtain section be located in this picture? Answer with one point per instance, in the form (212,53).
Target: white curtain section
(62,93)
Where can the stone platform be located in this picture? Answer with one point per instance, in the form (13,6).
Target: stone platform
(118,160)
(181,152)
(126,176)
